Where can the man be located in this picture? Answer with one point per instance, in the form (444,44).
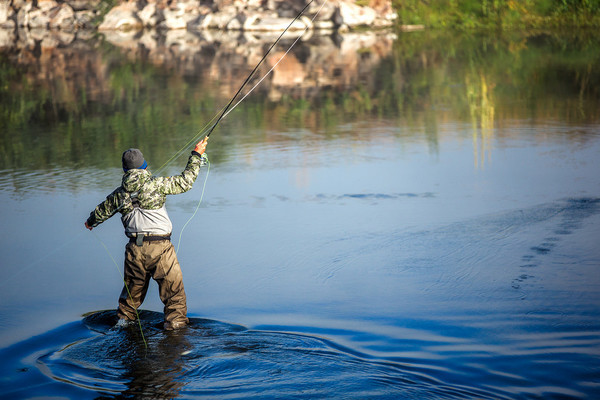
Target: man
(141,201)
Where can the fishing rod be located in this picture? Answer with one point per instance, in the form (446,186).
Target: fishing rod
(224,112)
(228,108)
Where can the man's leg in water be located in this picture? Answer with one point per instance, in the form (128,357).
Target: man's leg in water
(170,285)
(136,280)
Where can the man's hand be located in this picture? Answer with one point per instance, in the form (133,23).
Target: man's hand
(87,226)
(201,146)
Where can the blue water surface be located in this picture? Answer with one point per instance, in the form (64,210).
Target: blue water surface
(384,272)
(389,215)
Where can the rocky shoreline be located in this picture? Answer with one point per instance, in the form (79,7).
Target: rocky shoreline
(195,15)
(61,47)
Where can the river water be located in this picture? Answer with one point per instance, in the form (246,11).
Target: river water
(390,215)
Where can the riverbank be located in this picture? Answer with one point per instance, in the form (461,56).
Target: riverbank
(196,15)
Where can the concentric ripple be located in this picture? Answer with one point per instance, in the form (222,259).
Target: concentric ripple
(216,359)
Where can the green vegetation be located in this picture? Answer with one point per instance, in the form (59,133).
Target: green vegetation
(499,14)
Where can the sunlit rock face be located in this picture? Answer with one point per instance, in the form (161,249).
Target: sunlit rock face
(235,15)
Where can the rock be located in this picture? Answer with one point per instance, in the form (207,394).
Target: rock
(173,20)
(81,5)
(235,25)
(38,19)
(84,19)
(325,11)
(182,14)
(46,5)
(122,17)
(62,17)
(286,8)
(150,15)
(18,4)
(23,14)
(7,16)
(235,15)
(351,15)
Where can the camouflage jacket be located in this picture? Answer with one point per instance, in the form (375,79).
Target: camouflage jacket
(151,190)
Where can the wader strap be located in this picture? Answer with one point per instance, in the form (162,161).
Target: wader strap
(135,202)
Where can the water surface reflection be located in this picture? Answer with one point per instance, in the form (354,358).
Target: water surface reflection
(409,215)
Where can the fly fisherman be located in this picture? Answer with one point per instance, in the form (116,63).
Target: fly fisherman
(141,201)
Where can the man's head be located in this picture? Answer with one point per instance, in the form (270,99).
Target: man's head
(133,159)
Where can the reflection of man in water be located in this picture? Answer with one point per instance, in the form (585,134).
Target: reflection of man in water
(141,201)
(159,372)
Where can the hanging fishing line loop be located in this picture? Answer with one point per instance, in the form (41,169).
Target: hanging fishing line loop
(197,207)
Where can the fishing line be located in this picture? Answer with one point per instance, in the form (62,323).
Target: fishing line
(197,207)
(126,287)
(278,61)
(229,108)
(257,65)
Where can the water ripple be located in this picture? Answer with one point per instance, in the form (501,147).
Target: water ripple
(213,359)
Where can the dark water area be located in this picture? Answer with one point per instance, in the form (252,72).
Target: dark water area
(387,215)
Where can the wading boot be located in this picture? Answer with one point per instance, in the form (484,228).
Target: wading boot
(172,325)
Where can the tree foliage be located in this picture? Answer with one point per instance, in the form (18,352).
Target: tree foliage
(503,14)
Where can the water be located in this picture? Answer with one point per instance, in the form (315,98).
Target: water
(421,224)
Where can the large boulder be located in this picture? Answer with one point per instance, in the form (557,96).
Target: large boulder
(350,14)
(122,17)
(62,17)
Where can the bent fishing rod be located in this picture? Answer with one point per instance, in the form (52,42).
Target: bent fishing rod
(224,111)
(228,108)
